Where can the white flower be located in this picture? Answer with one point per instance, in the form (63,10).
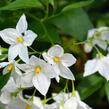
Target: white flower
(67,101)
(97,64)
(10,67)
(37,101)
(39,72)
(21,103)
(60,61)
(18,39)
(6,91)
(98,37)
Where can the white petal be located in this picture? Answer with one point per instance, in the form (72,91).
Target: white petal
(3,64)
(65,72)
(102,44)
(105,35)
(22,24)
(104,70)
(82,105)
(91,32)
(91,67)
(68,59)
(10,86)
(49,71)
(29,37)
(23,53)
(41,83)
(56,50)
(71,104)
(26,68)
(48,58)
(9,35)
(37,102)
(16,104)
(18,71)
(36,61)
(25,80)
(5,98)
(13,52)
(102,28)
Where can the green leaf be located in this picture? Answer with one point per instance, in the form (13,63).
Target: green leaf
(107,89)
(74,22)
(22,4)
(46,31)
(3,57)
(4,79)
(89,85)
(77,5)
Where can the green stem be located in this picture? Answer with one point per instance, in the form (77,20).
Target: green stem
(34,51)
(73,89)
(99,53)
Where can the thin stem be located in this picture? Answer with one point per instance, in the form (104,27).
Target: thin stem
(78,43)
(73,89)
(34,51)
(99,53)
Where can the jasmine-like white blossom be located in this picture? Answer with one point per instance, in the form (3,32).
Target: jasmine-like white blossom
(60,61)
(67,101)
(97,64)
(98,37)
(10,67)
(39,72)
(18,39)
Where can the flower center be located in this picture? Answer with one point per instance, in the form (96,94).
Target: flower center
(56,59)
(10,67)
(20,39)
(37,69)
(27,106)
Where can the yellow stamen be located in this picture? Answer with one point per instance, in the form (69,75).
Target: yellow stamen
(20,39)
(37,69)
(10,67)
(27,106)
(56,59)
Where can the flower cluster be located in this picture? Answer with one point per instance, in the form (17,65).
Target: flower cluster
(34,72)
(98,39)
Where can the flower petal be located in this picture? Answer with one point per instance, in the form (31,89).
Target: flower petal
(48,58)
(22,24)
(91,32)
(104,68)
(36,61)
(5,98)
(49,71)
(56,50)
(102,44)
(10,86)
(29,37)
(9,35)
(41,83)
(3,64)
(25,80)
(13,52)
(23,53)
(65,72)
(68,59)
(91,67)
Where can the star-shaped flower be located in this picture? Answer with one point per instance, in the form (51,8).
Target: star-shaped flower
(39,72)
(60,61)
(18,39)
